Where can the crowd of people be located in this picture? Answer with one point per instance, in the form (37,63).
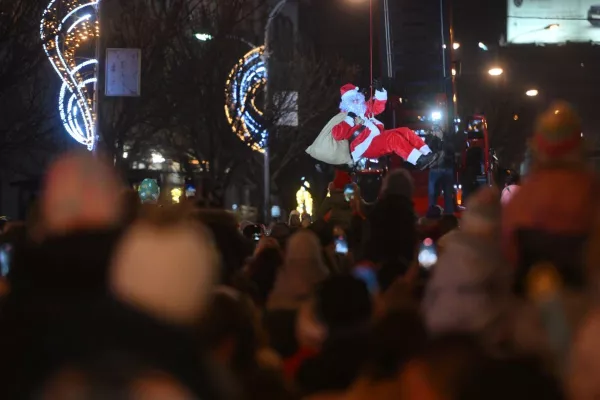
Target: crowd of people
(102,297)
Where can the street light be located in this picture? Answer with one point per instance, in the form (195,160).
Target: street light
(482,46)
(203,37)
(496,71)
(157,158)
(456,46)
(532,92)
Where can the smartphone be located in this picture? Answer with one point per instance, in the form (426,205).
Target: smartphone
(5,259)
(349,192)
(275,212)
(341,245)
(427,254)
(368,276)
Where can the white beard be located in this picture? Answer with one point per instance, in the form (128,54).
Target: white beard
(348,105)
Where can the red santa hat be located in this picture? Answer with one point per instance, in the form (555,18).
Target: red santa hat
(342,178)
(348,90)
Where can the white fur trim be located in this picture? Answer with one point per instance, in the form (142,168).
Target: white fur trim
(414,156)
(372,126)
(349,120)
(381,95)
(425,150)
(360,149)
(350,93)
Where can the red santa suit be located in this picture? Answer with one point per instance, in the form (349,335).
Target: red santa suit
(374,141)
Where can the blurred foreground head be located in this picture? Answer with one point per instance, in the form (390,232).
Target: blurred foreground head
(114,383)
(558,136)
(399,182)
(303,269)
(81,192)
(483,213)
(166,266)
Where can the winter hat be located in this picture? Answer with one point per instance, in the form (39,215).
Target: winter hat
(558,133)
(81,192)
(165,271)
(399,182)
(348,90)
(342,178)
(302,270)
(483,212)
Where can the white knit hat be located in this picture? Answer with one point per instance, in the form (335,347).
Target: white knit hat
(167,272)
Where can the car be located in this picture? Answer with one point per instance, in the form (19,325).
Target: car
(594,15)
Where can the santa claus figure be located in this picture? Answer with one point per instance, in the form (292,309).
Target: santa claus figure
(367,136)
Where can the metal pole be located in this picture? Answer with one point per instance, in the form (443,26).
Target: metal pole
(266,167)
(388,50)
(95,106)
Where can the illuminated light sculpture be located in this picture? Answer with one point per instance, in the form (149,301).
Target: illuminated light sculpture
(246,78)
(176,194)
(67,27)
(149,191)
(304,200)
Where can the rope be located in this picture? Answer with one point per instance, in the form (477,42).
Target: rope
(371,43)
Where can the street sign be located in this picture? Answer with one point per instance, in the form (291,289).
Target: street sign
(123,70)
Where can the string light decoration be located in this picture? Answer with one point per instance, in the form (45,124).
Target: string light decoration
(246,79)
(67,28)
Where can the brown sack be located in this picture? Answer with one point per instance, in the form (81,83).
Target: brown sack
(328,150)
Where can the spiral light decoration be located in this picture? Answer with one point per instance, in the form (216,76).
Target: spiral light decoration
(65,27)
(244,82)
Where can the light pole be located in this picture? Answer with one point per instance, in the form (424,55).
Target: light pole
(266,168)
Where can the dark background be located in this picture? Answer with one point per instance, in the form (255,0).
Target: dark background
(567,72)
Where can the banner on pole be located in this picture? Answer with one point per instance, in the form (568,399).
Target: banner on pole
(123,70)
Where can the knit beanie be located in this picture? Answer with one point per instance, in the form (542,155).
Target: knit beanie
(167,272)
(81,192)
(558,133)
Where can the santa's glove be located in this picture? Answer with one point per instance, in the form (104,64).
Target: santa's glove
(378,85)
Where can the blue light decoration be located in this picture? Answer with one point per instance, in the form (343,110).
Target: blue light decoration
(66,27)
(149,191)
(246,79)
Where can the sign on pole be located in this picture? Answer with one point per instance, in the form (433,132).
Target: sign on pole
(123,67)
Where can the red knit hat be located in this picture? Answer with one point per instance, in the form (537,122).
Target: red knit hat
(342,178)
(348,90)
(558,133)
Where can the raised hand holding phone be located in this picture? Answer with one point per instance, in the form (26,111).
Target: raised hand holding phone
(427,254)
